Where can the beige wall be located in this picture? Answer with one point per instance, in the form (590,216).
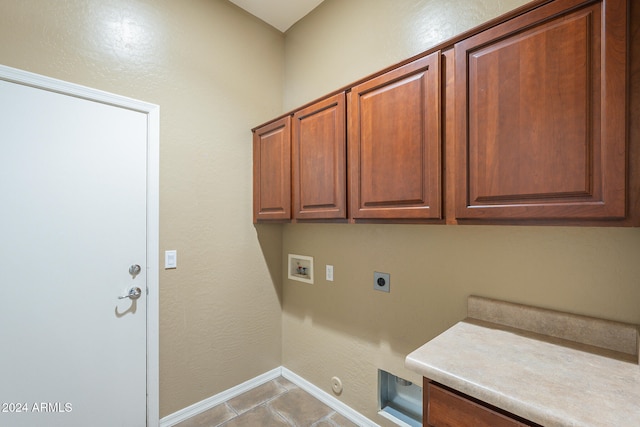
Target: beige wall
(345,328)
(215,72)
(343,41)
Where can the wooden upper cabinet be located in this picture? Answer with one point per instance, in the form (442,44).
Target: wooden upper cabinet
(540,115)
(272,171)
(319,160)
(394,144)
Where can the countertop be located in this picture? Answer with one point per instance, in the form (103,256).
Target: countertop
(547,379)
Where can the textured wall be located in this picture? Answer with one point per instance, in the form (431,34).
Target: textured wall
(343,41)
(216,72)
(345,328)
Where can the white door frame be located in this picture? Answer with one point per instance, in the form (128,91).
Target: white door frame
(153,155)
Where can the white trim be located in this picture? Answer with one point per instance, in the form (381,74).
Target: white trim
(153,190)
(27,78)
(321,395)
(203,405)
(386,414)
(324,397)
(153,265)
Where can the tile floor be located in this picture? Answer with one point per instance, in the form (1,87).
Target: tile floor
(274,404)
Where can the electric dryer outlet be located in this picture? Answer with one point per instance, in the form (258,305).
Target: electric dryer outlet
(381,281)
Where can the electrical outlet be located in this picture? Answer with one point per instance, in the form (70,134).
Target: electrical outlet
(329,273)
(381,281)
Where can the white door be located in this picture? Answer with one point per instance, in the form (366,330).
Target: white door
(73,220)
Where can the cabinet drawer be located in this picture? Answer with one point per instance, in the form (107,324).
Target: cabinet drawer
(444,408)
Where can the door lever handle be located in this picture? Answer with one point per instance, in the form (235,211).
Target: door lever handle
(134,294)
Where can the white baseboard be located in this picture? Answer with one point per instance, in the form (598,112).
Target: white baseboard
(321,395)
(203,405)
(324,397)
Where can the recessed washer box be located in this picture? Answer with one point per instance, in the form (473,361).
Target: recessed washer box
(399,400)
(300,268)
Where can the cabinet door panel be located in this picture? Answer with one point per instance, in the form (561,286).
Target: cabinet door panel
(319,160)
(444,408)
(541,116)
(394,144)
(272,171)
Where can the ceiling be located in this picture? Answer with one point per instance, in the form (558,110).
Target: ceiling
(280,14)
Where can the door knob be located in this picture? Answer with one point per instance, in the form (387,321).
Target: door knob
(134,293)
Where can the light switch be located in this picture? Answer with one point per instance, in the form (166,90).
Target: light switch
(170,259)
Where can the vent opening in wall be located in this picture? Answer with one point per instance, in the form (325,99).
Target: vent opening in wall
(300,268)
(400,401)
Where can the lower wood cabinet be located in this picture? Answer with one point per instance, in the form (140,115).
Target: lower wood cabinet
(444,407)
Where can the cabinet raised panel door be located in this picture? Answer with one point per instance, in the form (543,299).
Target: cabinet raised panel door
(272,171)
(395,144)
(540,110)
(319,160)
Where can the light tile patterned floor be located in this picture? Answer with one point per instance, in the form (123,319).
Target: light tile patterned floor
(278,403)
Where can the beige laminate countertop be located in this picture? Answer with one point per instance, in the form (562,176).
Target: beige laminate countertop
(547,380)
